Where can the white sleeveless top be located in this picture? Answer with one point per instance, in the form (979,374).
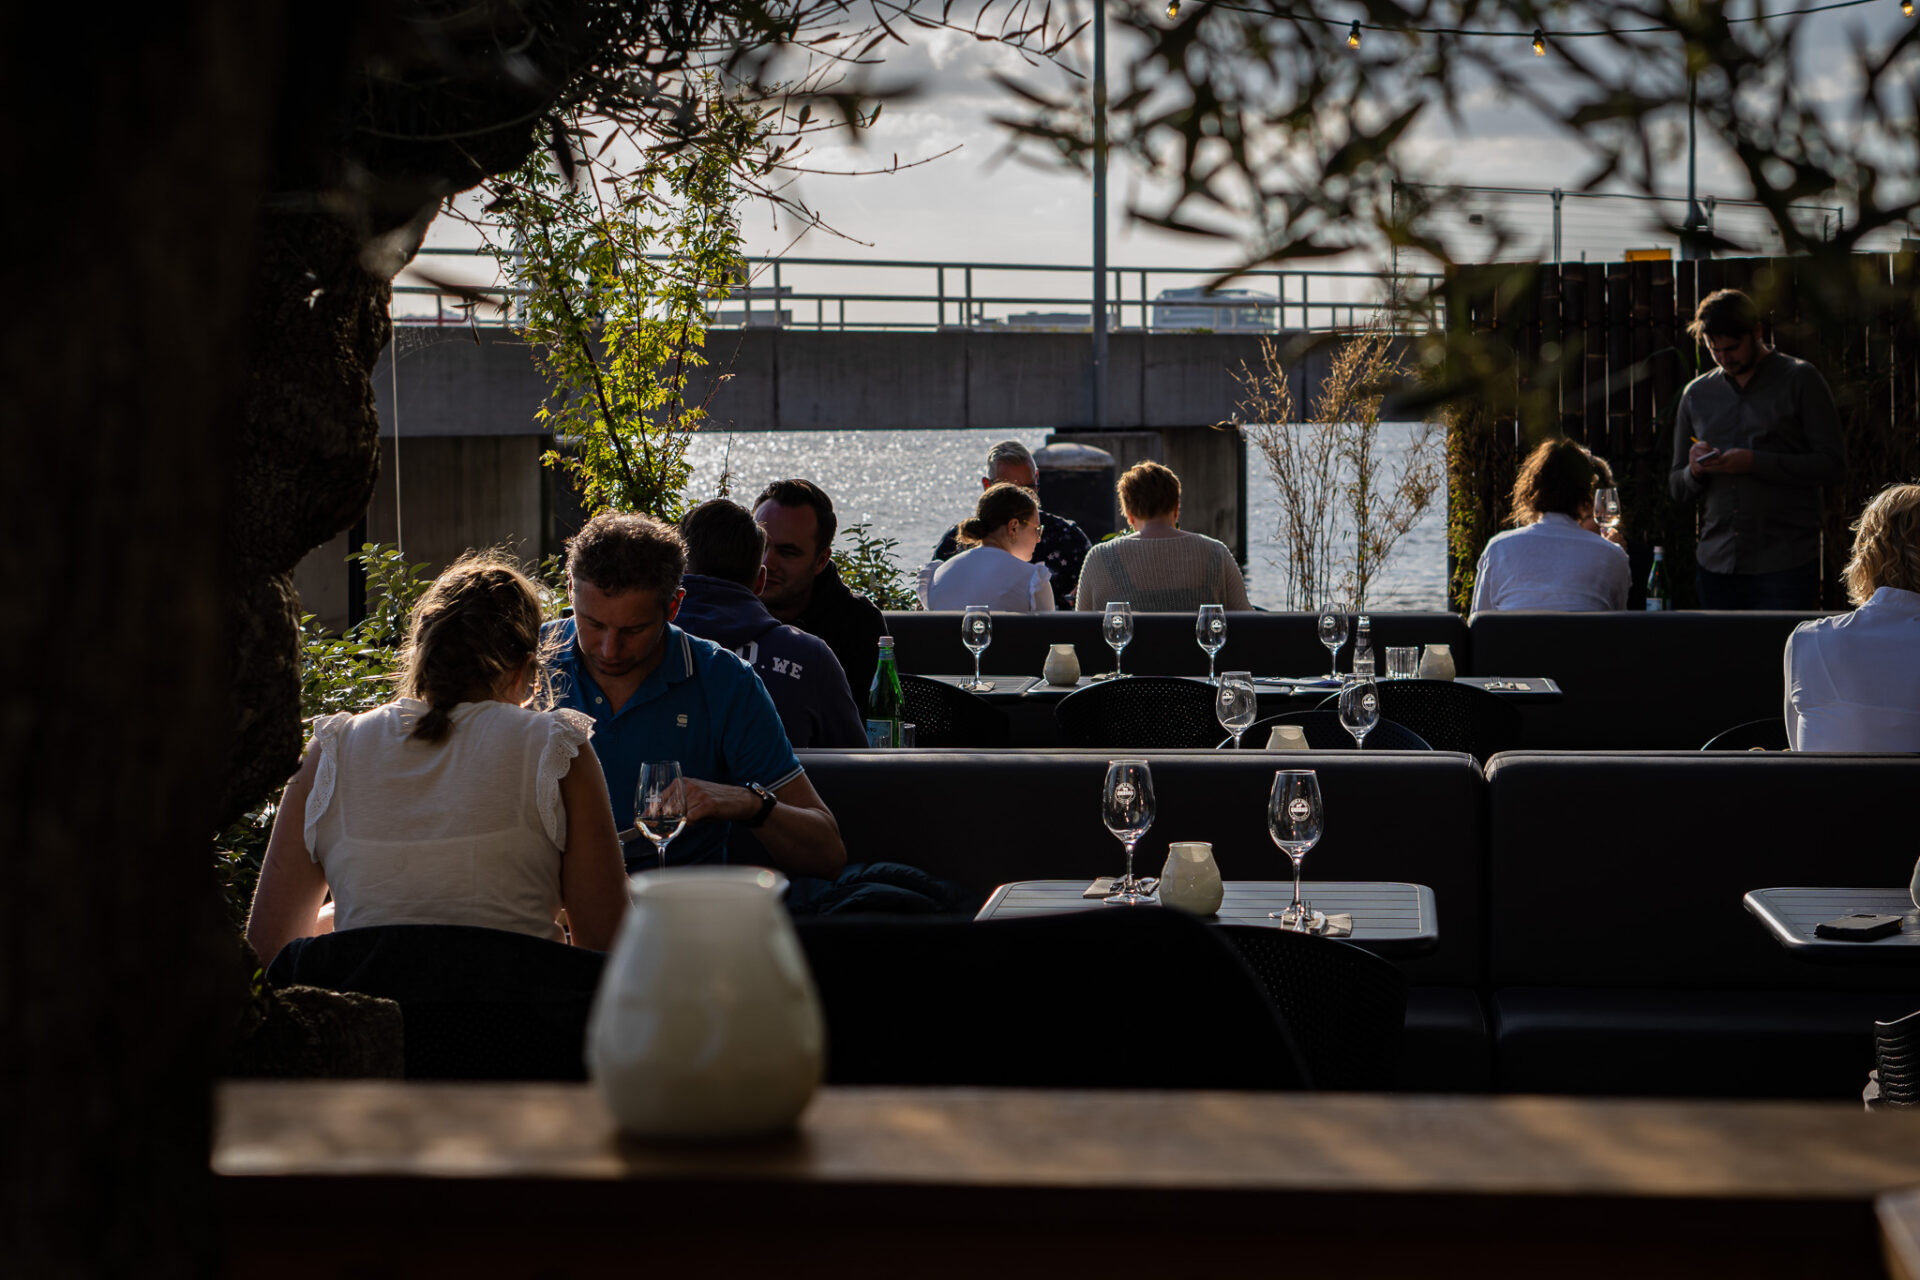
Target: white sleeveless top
(467,830)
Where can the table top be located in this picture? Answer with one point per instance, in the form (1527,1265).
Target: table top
(1529,689)
(1390,918)
(1790,915)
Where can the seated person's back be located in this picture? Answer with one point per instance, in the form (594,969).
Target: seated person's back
(1552,561)
(1853,680)
(996,569)
(1159,567)
(456,804)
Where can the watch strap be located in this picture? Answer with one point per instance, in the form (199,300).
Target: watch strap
(767,801)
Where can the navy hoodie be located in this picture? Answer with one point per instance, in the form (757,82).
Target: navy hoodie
(809,688)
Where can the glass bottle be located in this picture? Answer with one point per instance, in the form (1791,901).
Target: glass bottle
(886,706)
(1657,595)
(1362,648)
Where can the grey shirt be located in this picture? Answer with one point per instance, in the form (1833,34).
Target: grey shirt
(1768,519)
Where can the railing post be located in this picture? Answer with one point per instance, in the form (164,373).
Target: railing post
(966,321)
(776,294)
(940,284)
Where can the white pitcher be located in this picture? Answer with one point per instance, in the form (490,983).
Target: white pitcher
(1062,666)
(1191,878)
(1437,663)
(706,1024)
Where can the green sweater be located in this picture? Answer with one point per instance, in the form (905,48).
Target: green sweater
(1168,575)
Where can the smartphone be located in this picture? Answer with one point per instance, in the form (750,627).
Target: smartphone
(1711,453)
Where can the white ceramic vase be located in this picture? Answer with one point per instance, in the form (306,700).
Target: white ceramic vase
(1062,666)
(1287,737)
(1191,878)
(1437,663)
(706,1024)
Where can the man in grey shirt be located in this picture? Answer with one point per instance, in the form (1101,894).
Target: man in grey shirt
(1758,436)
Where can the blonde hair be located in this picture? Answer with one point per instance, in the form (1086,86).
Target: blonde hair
(1886,544)
(1148,490)
(477,623)
(999,505)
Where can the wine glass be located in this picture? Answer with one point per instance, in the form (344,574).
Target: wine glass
(1333,631)
(660,804)
(976,632)
(1210,630)
(1359,710)
(1295,819)
(1606,508)
(1126,805)
(1236,703)
(1117,626)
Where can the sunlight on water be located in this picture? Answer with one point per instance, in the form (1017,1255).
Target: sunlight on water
(911,485)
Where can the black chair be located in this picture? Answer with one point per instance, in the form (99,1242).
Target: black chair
(1768,734)
(477,1004)
(1116,998)
(1346,1007)
(1897,1061)
(1325,733)
(944,716)
(1451,716)
(1141,713)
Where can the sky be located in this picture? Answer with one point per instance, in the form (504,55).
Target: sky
(976,204)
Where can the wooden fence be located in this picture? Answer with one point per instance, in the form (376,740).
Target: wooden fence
(1599,352)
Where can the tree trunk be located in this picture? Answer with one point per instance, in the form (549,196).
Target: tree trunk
(138,150)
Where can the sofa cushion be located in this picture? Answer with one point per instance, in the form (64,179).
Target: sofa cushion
(1448,1047)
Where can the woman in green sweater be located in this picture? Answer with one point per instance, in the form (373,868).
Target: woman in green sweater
(1159,568)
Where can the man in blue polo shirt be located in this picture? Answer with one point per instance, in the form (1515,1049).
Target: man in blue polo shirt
(656,693)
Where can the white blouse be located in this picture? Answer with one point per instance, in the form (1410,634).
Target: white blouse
(1853,680)
(989,576)
(1551,564)
(468,830)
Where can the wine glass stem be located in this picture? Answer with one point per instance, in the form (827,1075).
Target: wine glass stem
(1236,738)
(1127,880)
(1333,660)
(1297,909)
(1116,658)
(976,667)
(1213,679)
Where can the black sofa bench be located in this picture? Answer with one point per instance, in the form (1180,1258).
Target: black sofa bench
(1621,959)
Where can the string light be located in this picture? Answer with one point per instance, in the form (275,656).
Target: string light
(1906,7)
(1353,36)
(1173,9)
(1540,40)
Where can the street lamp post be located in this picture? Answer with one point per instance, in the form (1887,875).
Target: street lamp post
(1100,214)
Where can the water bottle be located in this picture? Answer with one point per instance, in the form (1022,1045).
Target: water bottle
(1362,648)
(1657,595)
(886,705)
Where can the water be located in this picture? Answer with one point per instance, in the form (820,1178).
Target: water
(911,485)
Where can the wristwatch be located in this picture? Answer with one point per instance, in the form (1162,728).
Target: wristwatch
(767,802)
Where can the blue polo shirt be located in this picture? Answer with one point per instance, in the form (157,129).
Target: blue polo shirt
(701,706)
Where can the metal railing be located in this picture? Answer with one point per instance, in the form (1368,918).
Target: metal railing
(785,293)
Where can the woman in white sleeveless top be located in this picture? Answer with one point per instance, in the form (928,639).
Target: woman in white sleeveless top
(997,569)
(456,804)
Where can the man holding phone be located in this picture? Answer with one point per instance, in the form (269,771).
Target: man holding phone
(1758,435)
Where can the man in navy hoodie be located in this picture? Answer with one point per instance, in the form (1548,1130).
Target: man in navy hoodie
(724,573)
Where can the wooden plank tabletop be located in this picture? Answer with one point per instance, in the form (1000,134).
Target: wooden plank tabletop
(1790,915)
(1390,918)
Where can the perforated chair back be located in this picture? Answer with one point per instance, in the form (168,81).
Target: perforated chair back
(1768,734)
(1325,733)
(944,716)
(476,1004)
(1347,1008)
(1451,716)
(1141,713)
(1897,1061)
(1121,998)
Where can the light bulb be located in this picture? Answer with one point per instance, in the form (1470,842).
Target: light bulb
(1353,35)
(1540,40)
(1906,7)
(1173,9)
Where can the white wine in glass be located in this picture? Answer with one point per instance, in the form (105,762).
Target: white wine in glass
(1295,819)
(1117,626)
(1126,806)
(1210,631)
(976,632)
(660,804)
(1333,632)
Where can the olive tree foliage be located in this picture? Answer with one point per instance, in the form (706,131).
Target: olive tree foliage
(617,237)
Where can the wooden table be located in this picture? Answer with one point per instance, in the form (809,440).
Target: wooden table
(1791,914)
(1389,918)
(320,1179)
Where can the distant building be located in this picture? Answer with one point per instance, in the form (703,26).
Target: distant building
(1212,309)
(1050,322)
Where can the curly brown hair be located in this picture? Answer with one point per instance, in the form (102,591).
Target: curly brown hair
(478,623)
(620,551)
(1886,544)
(1148,490)
(999,504)
(1556,477)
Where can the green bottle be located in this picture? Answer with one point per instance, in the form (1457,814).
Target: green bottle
(1657,595)
(886,707)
